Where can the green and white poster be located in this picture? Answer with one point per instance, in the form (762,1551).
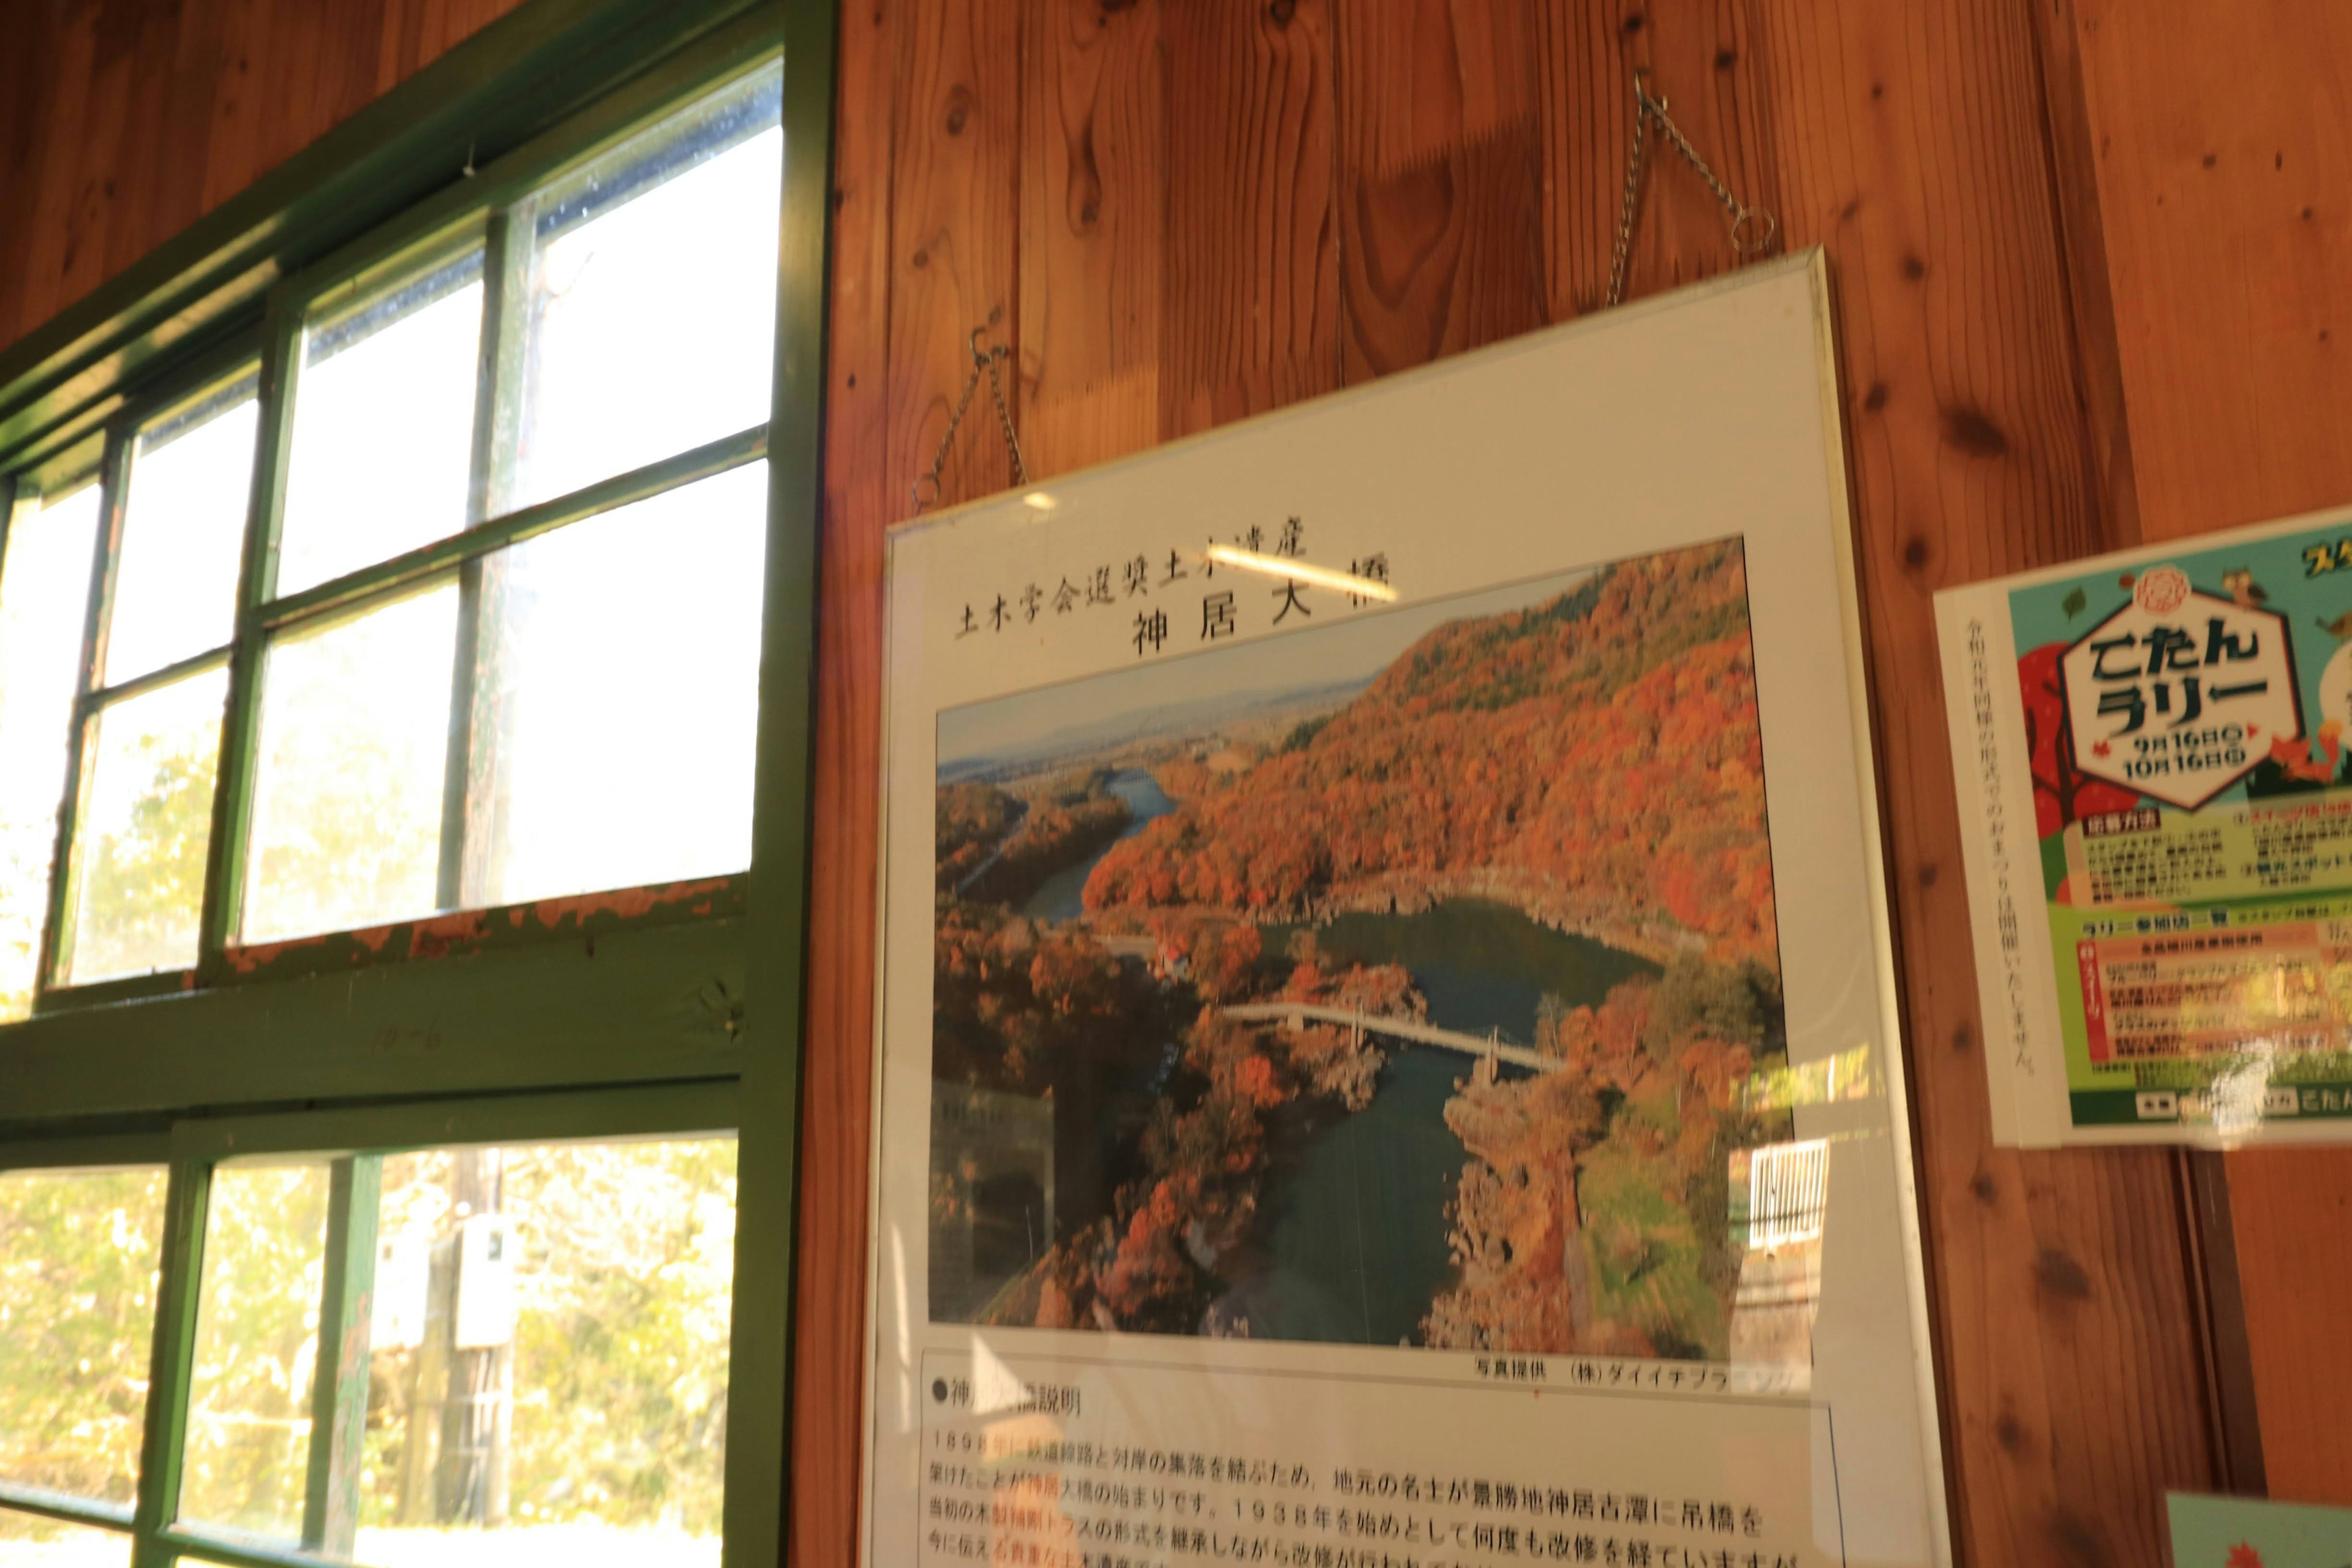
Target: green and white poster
(2251,1532)
(2157,797)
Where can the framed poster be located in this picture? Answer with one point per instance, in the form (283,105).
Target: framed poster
(1389,1047)
(2157,816)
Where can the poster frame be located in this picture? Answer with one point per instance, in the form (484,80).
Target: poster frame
(1868,825)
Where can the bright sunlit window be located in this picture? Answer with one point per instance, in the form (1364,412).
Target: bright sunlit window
(503,625)
(380,652)
(150,744)
(46,568)
(541,1369)
(572,712)
(79,1251)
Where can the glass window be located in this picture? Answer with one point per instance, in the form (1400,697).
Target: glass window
(182,528)
(247,1458)
(354,742)
(28,1541)
(545,706)
(78,1259)
(145,823)
(544,1344)
(652,299)
(384,425)
(636,668)
(605,699)
(44,603)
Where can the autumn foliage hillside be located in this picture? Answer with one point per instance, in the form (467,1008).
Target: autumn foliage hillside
(1595,760)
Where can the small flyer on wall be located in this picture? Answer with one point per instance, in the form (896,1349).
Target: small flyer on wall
(1388,1056)
(2156,800)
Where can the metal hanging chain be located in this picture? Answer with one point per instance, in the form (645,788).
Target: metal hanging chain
(925,488)
(1752,228)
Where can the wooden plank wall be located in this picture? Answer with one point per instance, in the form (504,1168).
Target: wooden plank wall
(2089,260)
(1178,212)
(123,121)
(2223,167)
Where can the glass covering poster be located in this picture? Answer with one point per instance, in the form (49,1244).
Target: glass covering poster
(1387,1049)
(2158,815)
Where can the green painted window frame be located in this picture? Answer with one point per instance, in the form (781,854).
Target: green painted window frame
(657,1015)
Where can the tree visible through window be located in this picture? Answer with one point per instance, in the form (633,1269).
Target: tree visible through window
(544,1353)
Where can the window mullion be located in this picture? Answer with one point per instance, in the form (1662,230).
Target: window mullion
(56,927)
(387,577)
(339,1385)
(467,779)
(224,858)
(155,679)
(163,1445)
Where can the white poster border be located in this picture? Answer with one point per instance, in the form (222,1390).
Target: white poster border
(891,1274)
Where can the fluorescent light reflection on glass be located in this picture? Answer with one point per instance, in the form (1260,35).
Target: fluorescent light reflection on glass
(1300,571)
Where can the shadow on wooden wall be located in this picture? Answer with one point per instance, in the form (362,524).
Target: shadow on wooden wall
(123,121)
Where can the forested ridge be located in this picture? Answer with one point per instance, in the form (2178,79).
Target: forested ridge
(1594,760)
(997,847)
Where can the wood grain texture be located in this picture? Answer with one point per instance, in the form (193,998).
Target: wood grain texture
(2224,155)
(1252,275)
(2082,224)
(1706,60)
(862,495)
(1910,141)
(1092,210)
(2293,1212)
(2223,152)
(954,232)
(1438,180)
(1354,190)
(123,121)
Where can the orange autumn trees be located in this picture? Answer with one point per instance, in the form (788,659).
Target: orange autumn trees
(971,820)
(1595,1213)
(1595,760)
(1592,762)
(1043,1009)
(993,846)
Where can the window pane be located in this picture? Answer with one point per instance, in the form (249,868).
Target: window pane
(652,296)
(28,1541)
(78,1259)
(143,829)
(546,1345)
(347,800)
(384,427)
(44,599)
(257,1337)
(581,1294)
(183,525)
(623,650)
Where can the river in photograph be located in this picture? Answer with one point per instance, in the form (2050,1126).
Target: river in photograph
(1059,898)
(1483,967)
(1354,1235)
(1357,1221)
(1356,1247)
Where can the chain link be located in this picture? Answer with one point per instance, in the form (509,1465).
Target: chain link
(1752,228)
(925,488)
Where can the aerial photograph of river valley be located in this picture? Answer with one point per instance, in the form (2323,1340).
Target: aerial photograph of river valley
(1401,980)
